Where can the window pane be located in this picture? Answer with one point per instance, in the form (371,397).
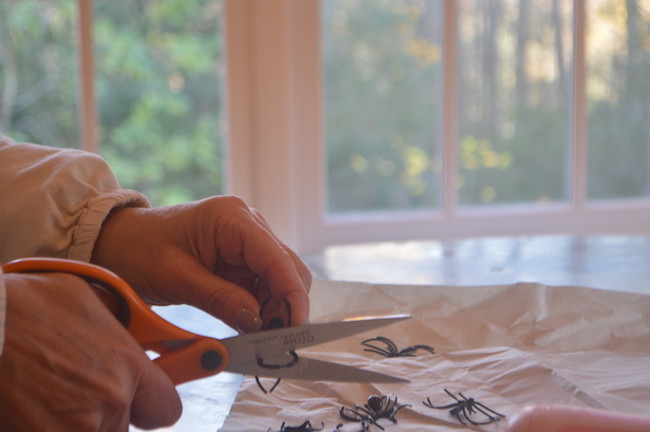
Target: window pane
(38,67)
(382,63)
(618,49)
(514,66)
(159,74)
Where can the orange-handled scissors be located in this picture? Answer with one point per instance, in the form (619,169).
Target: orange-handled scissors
(186,356)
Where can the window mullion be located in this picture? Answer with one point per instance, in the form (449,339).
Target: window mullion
(87,103)
(578,168)
(270,107)
(449,110)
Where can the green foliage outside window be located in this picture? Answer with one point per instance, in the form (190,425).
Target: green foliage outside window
(158,86)
(38,72)
(514,75)
(382,67)
(159,76)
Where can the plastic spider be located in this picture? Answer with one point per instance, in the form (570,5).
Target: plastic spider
(390,350)
(273,323)
(378,407)
(305,427)
(365,427)
(466,408)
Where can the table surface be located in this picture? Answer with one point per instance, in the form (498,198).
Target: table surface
(620,263)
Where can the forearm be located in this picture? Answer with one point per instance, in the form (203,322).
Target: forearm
(54,201)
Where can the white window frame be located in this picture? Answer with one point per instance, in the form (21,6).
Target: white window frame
(277,138)
(276,160)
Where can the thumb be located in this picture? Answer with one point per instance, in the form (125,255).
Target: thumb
(156,402)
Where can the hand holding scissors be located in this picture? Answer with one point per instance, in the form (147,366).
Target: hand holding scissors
(185,356)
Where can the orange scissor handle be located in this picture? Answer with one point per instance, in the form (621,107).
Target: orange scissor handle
(198,356)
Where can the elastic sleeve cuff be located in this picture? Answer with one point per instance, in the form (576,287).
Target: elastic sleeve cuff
(96,212)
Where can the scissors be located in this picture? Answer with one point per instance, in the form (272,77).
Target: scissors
(186,356)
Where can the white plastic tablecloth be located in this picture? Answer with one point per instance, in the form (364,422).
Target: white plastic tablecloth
(505,346)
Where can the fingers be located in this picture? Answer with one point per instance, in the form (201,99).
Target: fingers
(248,241)
(301,268)
(217,296)
(86,372)
(281,270)
(156,402)
(207,254)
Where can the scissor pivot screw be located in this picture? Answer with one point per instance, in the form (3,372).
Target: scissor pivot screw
(211,360)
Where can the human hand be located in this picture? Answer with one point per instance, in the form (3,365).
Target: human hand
(67,363)
(216,254)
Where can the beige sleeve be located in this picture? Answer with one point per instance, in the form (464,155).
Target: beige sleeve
(54,201)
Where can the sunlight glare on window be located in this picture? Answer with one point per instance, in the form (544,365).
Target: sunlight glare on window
(514,74)
(618,55)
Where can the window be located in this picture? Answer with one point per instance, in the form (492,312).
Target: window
(530,137)
(350,120)
(618,99)
(38,73)
(383,111)
(148,75)
(513,102)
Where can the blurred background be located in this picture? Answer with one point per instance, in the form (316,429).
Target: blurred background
(422,110)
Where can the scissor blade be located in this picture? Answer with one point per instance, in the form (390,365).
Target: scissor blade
(267,343)
(315,370)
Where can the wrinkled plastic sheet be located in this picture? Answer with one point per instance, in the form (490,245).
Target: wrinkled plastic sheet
(505,346)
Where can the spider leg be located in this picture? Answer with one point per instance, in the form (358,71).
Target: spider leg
(391,405)
(492,415)
(454,397)
(373,348)
(479,406)
(462,409)
(430,404)
(259,384)
(287,306)
(357,415)
(461,395)
(410,351)
(424,347)
(361,414)
(396,407)
(364,427)
(275,385)
(378,351)
(369,413)
(472,407)
(392,348)
(468,408)
(386,352)
(475,422)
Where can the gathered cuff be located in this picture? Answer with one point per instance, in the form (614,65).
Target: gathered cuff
(97,210)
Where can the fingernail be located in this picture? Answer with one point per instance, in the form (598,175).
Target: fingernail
(247,321)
